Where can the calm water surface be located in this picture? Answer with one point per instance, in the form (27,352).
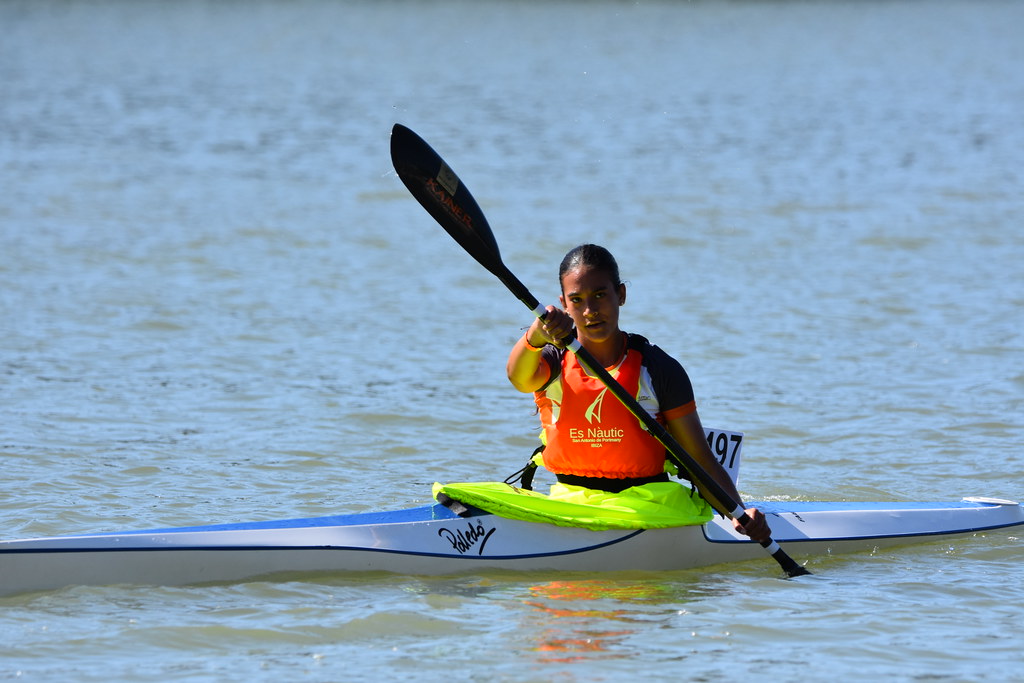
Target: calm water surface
(218,303)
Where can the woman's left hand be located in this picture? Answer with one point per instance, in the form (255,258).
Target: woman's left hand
(757,528)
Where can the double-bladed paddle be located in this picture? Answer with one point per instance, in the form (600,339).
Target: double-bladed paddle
(433,183)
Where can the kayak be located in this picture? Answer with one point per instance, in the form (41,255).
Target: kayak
(457,538)
(434,540)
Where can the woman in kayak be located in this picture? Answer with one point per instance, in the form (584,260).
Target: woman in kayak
(592,441)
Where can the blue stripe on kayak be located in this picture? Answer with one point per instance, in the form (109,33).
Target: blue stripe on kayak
(793,540)
(435,511)
(425,513)
(825,506)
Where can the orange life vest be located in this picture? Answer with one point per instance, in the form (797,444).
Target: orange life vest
(589,433)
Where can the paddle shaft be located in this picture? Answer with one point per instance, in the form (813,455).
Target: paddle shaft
(433,183)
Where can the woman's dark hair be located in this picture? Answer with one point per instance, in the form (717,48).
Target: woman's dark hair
(590,256)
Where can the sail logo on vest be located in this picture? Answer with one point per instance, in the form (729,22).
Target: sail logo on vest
(595,436)
(594,409)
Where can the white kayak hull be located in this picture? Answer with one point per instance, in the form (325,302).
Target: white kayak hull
(432,540)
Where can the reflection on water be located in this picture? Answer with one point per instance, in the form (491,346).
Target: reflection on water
(568,619)
(569,613)
(574,616)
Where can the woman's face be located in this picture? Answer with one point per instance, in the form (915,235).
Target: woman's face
(592,300)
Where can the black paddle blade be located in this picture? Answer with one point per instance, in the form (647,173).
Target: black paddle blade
(436,187)
(443,195)
(789,565)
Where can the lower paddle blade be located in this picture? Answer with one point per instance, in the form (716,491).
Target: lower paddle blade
(788,564)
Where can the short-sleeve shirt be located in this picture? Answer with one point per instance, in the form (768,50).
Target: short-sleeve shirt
(665,388)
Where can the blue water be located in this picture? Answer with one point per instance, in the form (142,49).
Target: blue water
(219,304)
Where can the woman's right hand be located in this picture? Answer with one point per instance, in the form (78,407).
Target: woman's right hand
(524,368)
(556,328)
